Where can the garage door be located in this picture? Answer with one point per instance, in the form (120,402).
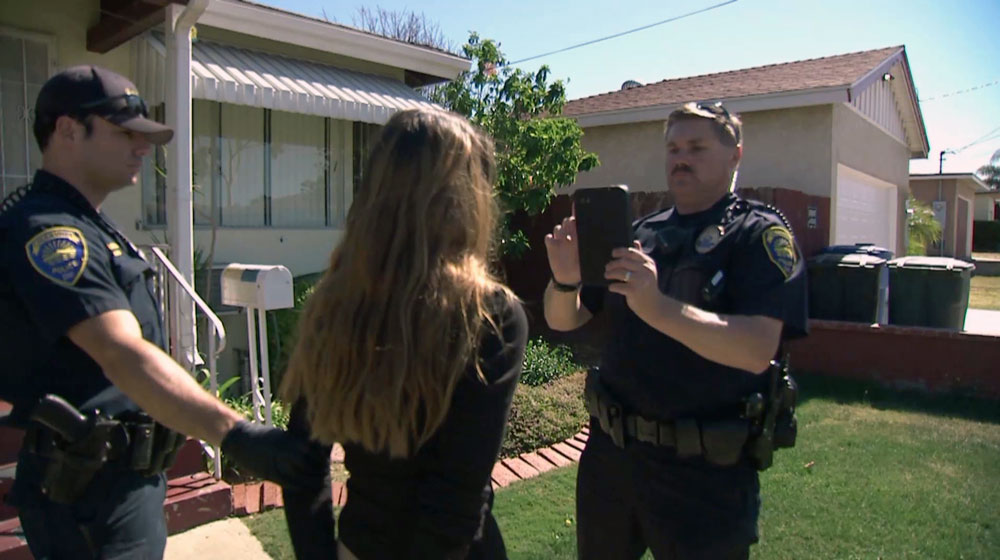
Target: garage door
(864,210)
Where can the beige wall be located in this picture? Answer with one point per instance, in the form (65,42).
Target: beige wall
(861,145)
(788,148)
(928,191)
(984,206)
(630,154)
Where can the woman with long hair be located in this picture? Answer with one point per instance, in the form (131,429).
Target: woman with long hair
(409,352)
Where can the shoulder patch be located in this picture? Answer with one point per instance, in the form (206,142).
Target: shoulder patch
(59,254)
(780,249)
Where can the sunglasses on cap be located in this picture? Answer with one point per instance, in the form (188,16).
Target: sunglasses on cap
(128,104)
(718,109)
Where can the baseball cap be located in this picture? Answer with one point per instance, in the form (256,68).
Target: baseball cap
(92,90)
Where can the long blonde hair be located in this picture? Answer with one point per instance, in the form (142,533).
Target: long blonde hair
(396,319)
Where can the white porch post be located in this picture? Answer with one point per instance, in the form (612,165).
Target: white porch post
(180,223)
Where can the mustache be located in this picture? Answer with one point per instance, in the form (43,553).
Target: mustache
(681,167)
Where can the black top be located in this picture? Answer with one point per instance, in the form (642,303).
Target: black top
(61,262)
(738,257)
(435,504)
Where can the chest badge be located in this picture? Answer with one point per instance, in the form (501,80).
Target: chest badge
(708,239)
(59,254)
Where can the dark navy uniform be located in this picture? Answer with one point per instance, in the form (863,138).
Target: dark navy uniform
(63,262)
(738,258)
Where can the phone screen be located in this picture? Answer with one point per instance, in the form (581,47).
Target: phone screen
(603,223)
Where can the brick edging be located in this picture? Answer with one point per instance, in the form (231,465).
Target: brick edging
(255,497)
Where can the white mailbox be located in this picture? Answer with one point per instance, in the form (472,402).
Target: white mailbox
(257,286)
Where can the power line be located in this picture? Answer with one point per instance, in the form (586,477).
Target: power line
(961,91)
(984,138)
(591,42)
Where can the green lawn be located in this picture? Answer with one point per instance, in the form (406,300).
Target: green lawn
(889,475)
(984,292)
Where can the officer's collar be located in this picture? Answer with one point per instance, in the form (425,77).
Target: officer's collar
(710,213)
(57,185)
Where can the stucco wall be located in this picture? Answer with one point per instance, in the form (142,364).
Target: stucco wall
(861,145)
(630,154)
(928,191)
(788,148)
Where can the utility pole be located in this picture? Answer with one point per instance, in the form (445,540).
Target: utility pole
(941,160)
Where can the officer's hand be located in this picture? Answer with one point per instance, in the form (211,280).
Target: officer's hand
(564,257)
(290,460)
(633,274)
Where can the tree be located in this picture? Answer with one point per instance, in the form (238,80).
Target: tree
(990,173)
(536,150)
(404,26)
(922,226)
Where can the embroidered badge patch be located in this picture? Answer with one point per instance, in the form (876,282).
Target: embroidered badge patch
(59,254)
(708,239)
(780,249)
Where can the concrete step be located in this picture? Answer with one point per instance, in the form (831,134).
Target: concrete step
(12,545)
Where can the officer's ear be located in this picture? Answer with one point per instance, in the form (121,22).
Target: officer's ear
(68,129)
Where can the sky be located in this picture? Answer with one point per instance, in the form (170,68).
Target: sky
(953,47)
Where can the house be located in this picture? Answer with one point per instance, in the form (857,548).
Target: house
(987,206)
(954,198)
(827,140)
(273,113)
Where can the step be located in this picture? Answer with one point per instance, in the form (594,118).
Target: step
(6,481)
(190,460)
(12,544)
(196,499)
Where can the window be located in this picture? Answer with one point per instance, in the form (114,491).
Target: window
(255,167)
(24,67)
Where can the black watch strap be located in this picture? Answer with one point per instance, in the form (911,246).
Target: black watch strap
(560,287)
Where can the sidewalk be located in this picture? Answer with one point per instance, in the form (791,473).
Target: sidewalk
(982,321)
(226,539)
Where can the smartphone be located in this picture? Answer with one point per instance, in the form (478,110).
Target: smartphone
(603,223)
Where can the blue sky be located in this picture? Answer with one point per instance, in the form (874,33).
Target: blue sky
(952,46)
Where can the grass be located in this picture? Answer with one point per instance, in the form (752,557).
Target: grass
(875,474)
(984,292)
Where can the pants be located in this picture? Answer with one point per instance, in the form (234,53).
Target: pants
(120,516)
(628,500)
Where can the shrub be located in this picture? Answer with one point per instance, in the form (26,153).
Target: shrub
(544,363)
(986,236)
(283,325)
(546,414)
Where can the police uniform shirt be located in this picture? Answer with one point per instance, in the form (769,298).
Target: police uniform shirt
(737,257)
(62,263)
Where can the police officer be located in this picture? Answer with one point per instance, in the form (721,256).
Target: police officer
(79,321)
(698,308)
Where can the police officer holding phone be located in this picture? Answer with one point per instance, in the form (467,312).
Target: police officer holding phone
(686,405)
(102,404)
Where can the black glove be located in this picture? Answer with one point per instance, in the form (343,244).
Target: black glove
(290,460)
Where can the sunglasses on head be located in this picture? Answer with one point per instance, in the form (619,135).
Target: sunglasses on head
(718,109)
(129,103)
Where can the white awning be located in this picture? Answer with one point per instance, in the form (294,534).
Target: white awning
(245,77)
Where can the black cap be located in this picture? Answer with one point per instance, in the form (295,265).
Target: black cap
(92,90)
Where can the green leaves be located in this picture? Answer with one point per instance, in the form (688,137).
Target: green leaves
(536,150)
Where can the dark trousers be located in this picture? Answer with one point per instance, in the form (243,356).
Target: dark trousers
(628,500)
(120,516)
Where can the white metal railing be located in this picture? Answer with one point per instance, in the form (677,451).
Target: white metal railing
(172,289)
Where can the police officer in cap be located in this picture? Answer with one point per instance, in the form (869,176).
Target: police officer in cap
(85,368)
(699,306)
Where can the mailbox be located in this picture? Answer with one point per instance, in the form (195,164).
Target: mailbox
(257,286)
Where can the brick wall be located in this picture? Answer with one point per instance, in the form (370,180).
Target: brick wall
(905,357)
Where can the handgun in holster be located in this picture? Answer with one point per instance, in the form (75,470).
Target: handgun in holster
(78,448)
(777,426)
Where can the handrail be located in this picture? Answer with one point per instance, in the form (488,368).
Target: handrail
(217,331)
(200,303)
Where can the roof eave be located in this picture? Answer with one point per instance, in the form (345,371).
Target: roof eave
(977,181)
(293,29)
(919,146)
(746,104)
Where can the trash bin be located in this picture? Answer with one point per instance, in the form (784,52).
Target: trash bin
(860,249)
(848,287)
(929,292)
